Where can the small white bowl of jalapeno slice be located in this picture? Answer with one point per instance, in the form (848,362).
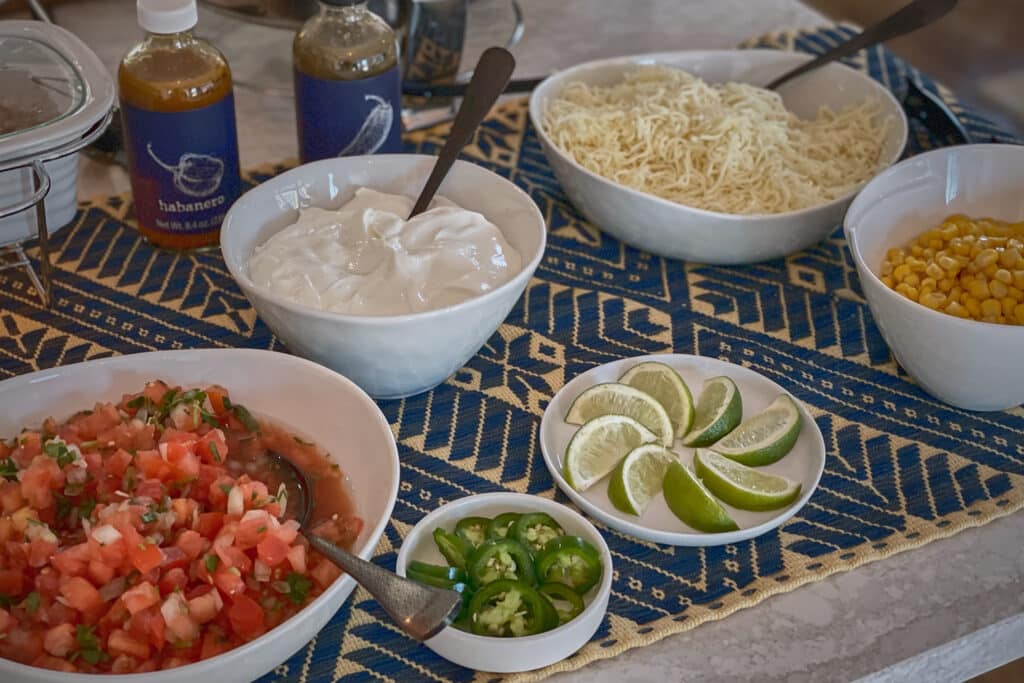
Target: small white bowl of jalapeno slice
(534,574)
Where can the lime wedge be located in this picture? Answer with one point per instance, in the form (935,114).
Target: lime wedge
(639,477)
(719,410)
(692,503)
(766,437)
(741,486)
(598,446)
(664,384)
(619,399)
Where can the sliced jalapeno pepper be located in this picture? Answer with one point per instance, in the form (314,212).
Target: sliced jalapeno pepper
(454,549)
(535,529)
(473,530)
(507,608)
(570,560)
(501,558)
(567,602)
(434,575)
(500,525)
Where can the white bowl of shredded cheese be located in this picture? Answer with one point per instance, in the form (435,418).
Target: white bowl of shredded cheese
(674,153)
(326,256)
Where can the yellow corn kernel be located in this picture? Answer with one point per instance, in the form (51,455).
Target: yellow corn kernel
(979,289)
(990,270)
(957,309)
(932,300)
(914,280)
(916,264)
(960,246)
(1003,276)
(991,308)
(916,249)
(887,281)
(998,289)
(955,293)
(933,270)
(1010,257)
(1008,304)
(1014,243)
(900,272)
(945,285)
(1018,313)
(1018,279)
(973,307)
(886,268)
(986,258)
(1015,293)
(948,231)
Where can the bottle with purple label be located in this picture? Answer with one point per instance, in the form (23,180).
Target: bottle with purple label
(179,122)
(347,84)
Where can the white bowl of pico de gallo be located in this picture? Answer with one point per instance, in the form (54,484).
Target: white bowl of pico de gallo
(142,531)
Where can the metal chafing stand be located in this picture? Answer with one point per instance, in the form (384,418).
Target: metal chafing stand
(12,254)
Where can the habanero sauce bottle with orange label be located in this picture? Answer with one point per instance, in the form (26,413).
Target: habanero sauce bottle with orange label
(179,123)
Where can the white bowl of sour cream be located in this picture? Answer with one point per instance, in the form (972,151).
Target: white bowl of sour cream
(330,264)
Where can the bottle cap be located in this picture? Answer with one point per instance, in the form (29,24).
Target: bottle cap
(343,3)
(167,16)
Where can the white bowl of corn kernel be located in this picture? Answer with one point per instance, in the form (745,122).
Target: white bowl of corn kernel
(938,241)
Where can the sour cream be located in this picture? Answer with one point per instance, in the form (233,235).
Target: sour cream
(367,259)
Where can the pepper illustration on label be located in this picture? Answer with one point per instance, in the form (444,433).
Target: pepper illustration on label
(196,175)
(374,131)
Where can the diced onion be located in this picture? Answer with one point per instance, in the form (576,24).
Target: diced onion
(261,515)
(113,589)
(106,534)
(281,587)
(224,540)
(236,501)
(163,450)
(261,571)
(173,606)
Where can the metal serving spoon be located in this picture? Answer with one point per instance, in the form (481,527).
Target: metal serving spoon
(913,16)
(421,611)
(490,77)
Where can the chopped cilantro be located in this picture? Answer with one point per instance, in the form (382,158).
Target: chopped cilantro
(182,643)
(261,529)
(31,603)
(226,488)
(253,496)
(64,506)
(9,469)
(86,507)
(88,644)
(298,587)
(211,563)
(140,401)
(59,451)
(88,445)
(245,417)
(148,517)
(5,600)
(215,451)
(165,502)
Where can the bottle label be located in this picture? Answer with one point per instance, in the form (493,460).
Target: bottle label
(348,118)
(184,166)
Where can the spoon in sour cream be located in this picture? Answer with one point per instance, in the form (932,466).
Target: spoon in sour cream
(419,610)
(490,78)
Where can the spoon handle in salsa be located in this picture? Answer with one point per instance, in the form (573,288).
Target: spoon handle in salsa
(419,610)
(490,77)
(911,17)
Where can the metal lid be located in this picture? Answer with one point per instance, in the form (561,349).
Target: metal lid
(53,88)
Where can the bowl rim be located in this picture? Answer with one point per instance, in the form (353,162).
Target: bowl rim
(559,77)
(260,356)
(422,529)
(521,278)
(852,235)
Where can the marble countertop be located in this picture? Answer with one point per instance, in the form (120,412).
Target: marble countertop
(944,612)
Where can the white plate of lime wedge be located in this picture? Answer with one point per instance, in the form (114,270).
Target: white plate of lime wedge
(771,431)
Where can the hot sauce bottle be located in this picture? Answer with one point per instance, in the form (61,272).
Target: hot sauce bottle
(179,121)
(347,85)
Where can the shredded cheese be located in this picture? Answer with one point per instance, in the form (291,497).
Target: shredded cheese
(731,148)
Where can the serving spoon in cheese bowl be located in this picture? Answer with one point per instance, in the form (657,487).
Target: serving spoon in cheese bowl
(420,611)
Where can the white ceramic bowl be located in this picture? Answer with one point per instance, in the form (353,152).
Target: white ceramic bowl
(509,655)
(966,363)
(388,356)
(342,420)
(670,229)
(805,463)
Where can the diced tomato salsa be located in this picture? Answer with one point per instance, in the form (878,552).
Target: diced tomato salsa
(150,533)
